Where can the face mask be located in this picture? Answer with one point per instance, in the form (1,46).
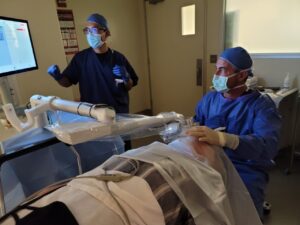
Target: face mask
(94,40)
(220,82)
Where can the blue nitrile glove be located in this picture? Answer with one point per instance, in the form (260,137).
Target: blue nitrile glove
(54,71)
(121,73)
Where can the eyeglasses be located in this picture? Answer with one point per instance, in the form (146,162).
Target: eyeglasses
(93,30)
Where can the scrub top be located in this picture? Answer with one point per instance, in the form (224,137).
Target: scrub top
(253,116)
(93,73)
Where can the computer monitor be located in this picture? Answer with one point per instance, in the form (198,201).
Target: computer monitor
(16,48)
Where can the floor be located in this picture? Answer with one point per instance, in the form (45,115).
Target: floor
(283,191)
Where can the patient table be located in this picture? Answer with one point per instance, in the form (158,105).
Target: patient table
(179,183)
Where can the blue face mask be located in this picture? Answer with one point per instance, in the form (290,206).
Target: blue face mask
(94,40)
(220,82)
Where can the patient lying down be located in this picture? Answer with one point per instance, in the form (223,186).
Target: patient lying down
(185,182)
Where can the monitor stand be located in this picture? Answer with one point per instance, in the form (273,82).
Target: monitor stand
(5,91)
(5,98)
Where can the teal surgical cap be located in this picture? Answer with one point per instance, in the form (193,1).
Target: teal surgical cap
(238,57)
(99,19)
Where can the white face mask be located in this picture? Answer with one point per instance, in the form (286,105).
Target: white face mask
(220,82)
(94,40)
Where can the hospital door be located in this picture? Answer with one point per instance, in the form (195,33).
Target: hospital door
(177,64)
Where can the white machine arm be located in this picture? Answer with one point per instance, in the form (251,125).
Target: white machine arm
(79,132)
(106,123)
(100,112)
(36,116)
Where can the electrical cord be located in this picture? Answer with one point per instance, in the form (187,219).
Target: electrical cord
(116,178)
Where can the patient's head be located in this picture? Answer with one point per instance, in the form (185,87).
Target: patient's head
(191,146)
(202,151)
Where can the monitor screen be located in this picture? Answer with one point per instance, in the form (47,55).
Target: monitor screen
(16,49)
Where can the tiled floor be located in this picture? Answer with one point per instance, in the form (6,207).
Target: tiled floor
(283,191)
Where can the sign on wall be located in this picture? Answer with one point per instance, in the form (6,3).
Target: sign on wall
(68,32)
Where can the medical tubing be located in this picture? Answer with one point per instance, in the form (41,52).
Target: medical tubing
(117,202)
(136,168)
(78,159)
(53,187)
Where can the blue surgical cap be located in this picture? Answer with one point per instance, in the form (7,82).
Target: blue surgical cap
(99,19)
(238,57)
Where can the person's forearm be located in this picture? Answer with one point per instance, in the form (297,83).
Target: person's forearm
(129,85)
(254,146)
(64,81)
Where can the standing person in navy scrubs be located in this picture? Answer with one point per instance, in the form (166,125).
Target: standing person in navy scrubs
(104,75)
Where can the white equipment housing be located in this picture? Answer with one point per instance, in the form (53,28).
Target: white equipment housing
(36,116)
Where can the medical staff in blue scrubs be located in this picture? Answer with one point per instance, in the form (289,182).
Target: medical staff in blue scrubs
(104,75)
(244,122)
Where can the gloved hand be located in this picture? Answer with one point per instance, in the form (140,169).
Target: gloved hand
(121,73)
(213,137)
(54,71)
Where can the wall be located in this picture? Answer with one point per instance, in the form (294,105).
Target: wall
(126,22)
(47,42)
(273,71)
(214,36)
(269,26)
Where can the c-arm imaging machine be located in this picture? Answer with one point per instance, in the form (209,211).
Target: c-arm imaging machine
(105,122)
(92,131)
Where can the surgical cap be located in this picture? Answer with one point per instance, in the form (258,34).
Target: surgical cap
(99,19)
(238,57)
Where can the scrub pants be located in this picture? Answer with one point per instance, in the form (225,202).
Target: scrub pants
(256,181)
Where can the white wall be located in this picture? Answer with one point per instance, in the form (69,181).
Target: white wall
(268,26)
(271,72)
(47,42)
(126,22)
(214,36)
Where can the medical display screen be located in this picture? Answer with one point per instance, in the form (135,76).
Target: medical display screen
(16,49)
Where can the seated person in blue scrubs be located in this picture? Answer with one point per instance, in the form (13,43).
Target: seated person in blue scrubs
(104,75)
(244,122)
